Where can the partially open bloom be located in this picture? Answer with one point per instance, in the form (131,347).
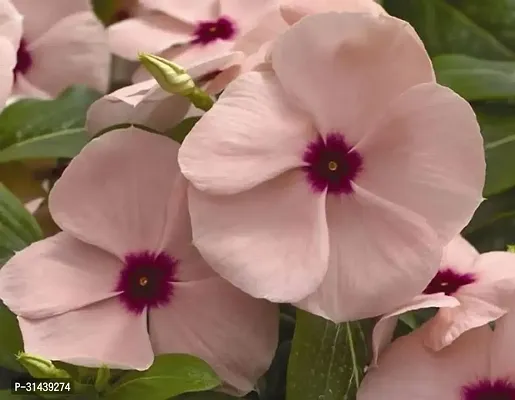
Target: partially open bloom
(145,103)
(122,282)
(63,44)
(194,32)
(470,289)
(335,178)
(477,366)
(10,35)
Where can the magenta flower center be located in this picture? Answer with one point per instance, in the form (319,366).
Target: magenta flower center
(449,282)
(147,280)
(331,164)
(501,389)
(24,59)
(210,31)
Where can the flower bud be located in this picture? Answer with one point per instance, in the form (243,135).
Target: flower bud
(39,367)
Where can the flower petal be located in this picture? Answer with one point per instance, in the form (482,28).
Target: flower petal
(7,63)
(294,10)
(427,155)
(381,256)
(270,242)
(250,135)
(385,327)
(186,10)
(247,13)
(459,255)
(152,33)
(345,68)
(119,192)
(40,16)
(233,332)
(484,301)
(409,370)
(11,27)
(503,347)
(102,333)
(73,52)
(56,275)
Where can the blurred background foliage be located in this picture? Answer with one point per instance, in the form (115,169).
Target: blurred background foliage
(472,44)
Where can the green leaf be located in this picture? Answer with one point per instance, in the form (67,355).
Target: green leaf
(170,375)
(478,28)
(18,228)
(498,128)
(7,395)
(476,79)
(181,130)
(327,360)
(10,339)
(45,128)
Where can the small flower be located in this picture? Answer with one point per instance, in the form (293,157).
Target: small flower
(123,282)
(470,289)
(147,104)
(334,178)
(62,44)
(477,366)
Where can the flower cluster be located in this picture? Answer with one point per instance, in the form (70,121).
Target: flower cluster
(332,172)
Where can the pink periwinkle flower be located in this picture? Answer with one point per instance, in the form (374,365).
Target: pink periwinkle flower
(335,178)
(62,44)
(471,290)
(123,282)
(10,35)
(477,366)
(145,103)
(192,32)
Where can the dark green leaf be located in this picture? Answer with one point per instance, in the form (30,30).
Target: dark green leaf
(479,28)
(7,395)
(498,129)
(18,228)
(476,79)
(205,396)
(10,339)
(170,375)
(47,124)
(493,209)
(327,360)
(179,132)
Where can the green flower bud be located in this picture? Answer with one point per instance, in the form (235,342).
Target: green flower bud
(174,79)
(39,367)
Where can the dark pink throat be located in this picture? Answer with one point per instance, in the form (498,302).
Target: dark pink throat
(449,282)
(210,31)
(500,389)
(24,59)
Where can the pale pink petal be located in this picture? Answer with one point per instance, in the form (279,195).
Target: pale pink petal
(448,324)
(233,332)
(345,68)
(459,255)
(196,54)
(56,275)
(248,13)
(11,23)
(503,348)
(251,135)
(186,10)
(22,88)
(40,16)
(271,241)
(7,63)
(385,327)
(382,256)
(427,155)
(102,333)
(151,33)
(484,301)
(118,192)
(408,370)
(73,52)
(294,10)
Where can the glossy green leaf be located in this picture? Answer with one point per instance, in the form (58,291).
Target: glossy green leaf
(45,128)
(498,128)
(476,79)
(170,375)
(479,28)
(10,339)
(18,228)
(7,395)
(493,209)
(327,360)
